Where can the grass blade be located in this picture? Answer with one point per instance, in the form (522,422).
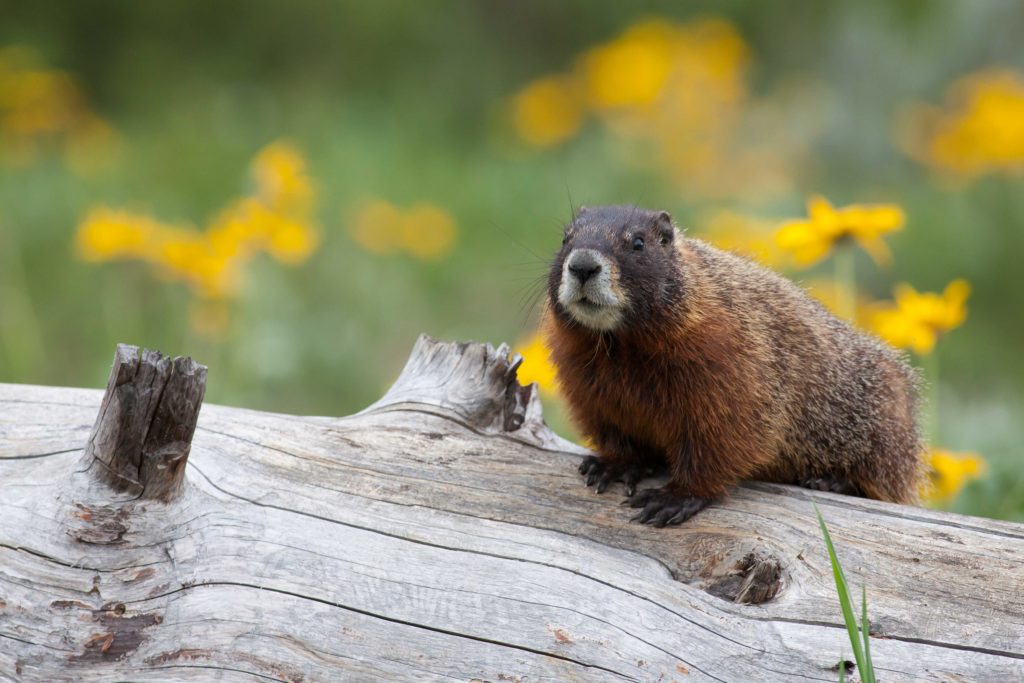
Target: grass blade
(842,588)
(868,674)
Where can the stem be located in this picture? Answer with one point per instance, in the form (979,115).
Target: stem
(121,308)
(931,370)
(845,283)
(20,332)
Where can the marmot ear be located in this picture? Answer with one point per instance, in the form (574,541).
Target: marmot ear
(581,210)
(666,230)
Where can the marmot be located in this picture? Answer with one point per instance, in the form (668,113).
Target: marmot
(672,353)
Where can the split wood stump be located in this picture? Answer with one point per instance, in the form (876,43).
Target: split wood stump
(442,533)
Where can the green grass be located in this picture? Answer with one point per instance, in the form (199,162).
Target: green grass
(860,641)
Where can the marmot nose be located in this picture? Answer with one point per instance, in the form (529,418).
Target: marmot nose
(583,267)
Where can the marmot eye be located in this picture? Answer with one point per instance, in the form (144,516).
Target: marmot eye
(638,243)
(565,240)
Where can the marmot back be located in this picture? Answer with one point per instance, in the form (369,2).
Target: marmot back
(673,354)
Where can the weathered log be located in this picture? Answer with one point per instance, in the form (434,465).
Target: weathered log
(443,533)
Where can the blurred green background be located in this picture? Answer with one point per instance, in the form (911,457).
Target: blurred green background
(414,103)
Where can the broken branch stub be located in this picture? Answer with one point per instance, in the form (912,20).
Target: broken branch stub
(476,383)
(143,432)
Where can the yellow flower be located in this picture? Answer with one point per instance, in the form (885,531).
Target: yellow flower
(426,231)
(292,241)
(41,102)
(105,234)
(812,239)
(241,229)
(375,227)
(950,472)
(747,235)
(175,253)
(190,257)
(547,111)
(212,262)
(37,103)
(536,366)
(249,225)
(916,319)
(282,182)
(979,130)
(631,70)
(210,276)
(679,88)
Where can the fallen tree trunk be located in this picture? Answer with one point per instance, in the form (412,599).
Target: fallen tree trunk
(443,533)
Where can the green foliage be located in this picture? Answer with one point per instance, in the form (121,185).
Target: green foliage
(403,102)
(860,642)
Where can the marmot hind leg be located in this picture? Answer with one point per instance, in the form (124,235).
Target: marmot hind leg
(833,484)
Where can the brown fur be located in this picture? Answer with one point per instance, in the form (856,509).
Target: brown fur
(728,371)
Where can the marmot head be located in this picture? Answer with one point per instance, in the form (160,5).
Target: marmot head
(617,265)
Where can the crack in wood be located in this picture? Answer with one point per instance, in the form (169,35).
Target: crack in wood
(900,512)
(486,554)
(215,667)
(33,456)
(75,565)
(919,641)
(382,473)
(283,673)
(403,622)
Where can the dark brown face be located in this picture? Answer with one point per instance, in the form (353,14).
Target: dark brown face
(617,265)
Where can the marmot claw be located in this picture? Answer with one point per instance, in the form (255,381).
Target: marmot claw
(604,474)
(661,507)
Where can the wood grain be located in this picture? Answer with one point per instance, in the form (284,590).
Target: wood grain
(443,534)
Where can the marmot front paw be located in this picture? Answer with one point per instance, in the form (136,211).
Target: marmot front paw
(603,473)
(662,507)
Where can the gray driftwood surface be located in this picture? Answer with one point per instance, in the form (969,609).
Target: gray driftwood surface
(443,533)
